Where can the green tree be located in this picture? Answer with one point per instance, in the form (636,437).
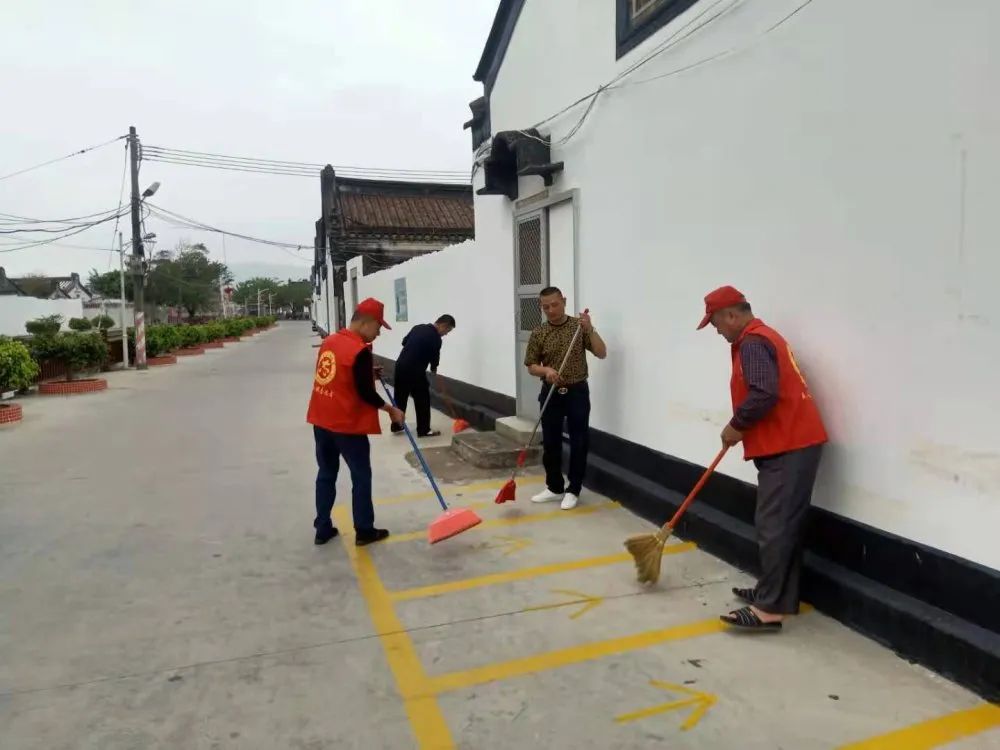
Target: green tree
(294,294)
(187,278)
(245,293)
(108,284)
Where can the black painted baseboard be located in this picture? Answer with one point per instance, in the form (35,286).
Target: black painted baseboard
(929,606)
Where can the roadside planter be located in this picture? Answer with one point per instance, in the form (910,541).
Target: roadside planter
(10,414)
(190,351)
(78,352)
(72,387)
(17,371)
(163,359)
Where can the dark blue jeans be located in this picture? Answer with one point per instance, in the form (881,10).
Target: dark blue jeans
(571,409)
(356,450)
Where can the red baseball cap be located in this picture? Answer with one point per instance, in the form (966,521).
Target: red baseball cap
(720,299)
(375,309)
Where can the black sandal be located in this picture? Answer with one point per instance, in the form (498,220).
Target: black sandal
(746,619)
(747,595)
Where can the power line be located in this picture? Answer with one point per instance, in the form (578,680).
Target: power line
(205,155)
(184,221)
(184,153)
(62,158)
(14,219)
(186,157)
(53,240)
(301,172)
(121,201)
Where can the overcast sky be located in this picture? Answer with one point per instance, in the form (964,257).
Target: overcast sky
(356,82)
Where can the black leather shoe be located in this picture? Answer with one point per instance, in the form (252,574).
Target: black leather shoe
(325,535)
(362,538)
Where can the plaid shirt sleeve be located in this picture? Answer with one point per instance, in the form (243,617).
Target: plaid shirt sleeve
(760,372)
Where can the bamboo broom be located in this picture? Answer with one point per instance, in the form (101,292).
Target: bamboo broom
(647,549)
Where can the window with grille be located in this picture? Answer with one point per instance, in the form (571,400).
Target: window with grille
(637,20)
(530,314)
(529,252)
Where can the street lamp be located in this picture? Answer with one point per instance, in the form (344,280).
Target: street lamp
(138,263)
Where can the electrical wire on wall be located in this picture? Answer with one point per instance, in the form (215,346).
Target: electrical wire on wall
(681,33)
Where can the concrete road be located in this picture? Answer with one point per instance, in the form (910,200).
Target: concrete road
(160,589)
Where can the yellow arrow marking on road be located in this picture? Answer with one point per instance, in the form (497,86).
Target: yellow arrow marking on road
(588,602)
(511,543)
(701,702)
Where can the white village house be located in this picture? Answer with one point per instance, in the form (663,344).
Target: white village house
(839,162)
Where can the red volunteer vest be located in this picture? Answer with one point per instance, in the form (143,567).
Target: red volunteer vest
(794,422)
(335,404)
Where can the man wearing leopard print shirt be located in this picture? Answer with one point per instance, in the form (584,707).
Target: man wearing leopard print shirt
(570,404)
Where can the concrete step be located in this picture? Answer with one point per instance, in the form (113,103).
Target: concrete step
(518,429)
(490,450)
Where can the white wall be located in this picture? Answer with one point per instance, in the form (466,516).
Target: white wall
(112,308)
(472,281)
(16,311)
(847,184)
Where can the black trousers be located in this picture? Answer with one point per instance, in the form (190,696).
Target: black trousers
(572,409)
(414,383)
(784,491)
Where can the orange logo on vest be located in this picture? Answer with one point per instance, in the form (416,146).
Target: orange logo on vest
(326,368)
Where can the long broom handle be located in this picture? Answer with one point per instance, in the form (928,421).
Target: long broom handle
(552,388)
(669,526)
(416,448)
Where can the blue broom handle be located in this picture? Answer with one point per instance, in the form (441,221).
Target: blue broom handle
(416,448)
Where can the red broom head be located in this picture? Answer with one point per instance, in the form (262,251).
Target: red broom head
(507,493)
(459,424)
(451,523)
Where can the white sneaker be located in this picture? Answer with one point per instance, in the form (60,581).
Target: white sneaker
(545,496)
(569,501)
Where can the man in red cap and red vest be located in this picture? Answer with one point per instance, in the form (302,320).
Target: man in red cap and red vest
(343,411)
(776,419)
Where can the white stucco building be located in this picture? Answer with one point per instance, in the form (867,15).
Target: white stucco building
(839,162)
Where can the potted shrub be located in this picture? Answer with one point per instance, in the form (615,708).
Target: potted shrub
(214,333)
(191,338)
(78,352)
(17,371)
(158,343)
(47,325)
(233,328)
(80,324)
(104,322)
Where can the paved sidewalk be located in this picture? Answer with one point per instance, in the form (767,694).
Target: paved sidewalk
(160,589)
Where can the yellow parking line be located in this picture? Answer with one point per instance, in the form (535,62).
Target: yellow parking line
(505,670)
(438,589)
(495,523)
(419,702)
(494,484)
(935,732)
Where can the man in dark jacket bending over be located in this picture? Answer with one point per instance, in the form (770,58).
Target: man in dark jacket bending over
(421,348)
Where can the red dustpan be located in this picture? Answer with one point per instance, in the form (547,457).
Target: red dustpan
(454,520)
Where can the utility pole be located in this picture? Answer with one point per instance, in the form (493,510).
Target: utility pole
(121,294)
(137,254)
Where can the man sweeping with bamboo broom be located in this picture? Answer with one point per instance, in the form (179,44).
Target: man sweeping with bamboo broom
(779,424)
(776,419)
